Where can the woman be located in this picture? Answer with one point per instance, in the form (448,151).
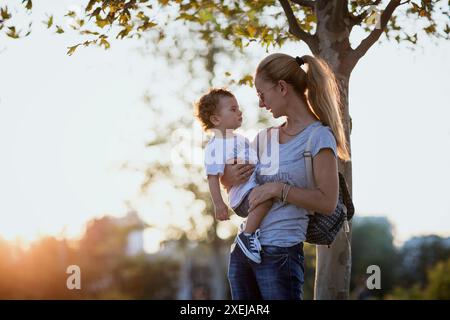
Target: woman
(309,101)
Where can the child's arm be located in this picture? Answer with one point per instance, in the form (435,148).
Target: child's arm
(220,208)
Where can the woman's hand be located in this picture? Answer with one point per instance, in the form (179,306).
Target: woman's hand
(264,192)
(235,174)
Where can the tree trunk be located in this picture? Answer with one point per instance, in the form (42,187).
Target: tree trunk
(333,264)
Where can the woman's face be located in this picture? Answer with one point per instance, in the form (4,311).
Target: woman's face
(269,96)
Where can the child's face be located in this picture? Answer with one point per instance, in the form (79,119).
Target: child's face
(229,115)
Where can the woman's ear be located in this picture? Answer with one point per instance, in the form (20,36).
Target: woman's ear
(283,87)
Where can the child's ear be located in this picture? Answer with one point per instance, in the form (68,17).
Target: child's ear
(215,120)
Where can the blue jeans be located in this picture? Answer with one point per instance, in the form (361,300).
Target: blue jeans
(279,276)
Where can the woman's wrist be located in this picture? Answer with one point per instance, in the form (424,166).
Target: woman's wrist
(276,190)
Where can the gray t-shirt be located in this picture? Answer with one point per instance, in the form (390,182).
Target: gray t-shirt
(286,225)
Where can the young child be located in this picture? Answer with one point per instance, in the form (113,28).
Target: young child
(218,111)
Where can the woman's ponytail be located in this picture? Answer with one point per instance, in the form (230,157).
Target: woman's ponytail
(322,92)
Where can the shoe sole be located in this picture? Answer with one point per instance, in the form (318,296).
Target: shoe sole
(246,252)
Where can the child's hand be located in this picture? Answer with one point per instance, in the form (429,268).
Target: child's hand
(221,212)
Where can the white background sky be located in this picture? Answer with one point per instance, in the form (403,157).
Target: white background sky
(67,123)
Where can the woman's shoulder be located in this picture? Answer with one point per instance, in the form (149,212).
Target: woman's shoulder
(323,137)
(322,130)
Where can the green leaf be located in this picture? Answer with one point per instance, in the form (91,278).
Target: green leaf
(238,43)
(146,25)
(59,30)
(101,22)
(124,18)
(12,33)
(430,29)
(48,23)
(205,16)
(96,13)
(251,31)
(105,43)
(72,49)
(447,29)
(71,14)
(5,14)
(90,5)
(29,4)
(185,16)
(125,31)
(246,80)
(89,32)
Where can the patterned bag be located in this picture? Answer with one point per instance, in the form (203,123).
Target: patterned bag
(322,229)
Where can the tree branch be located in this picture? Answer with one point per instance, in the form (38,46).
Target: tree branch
(340,11)
(305,3)
(365,45)
(296,30)
(356,20)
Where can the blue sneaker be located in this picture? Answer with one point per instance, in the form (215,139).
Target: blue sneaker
(250,245)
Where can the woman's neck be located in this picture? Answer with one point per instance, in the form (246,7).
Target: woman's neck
(298,115)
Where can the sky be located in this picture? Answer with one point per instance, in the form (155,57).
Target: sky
(68,123)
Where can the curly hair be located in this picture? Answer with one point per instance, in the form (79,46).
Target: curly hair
(208,104)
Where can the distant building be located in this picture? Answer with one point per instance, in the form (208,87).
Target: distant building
(135,238)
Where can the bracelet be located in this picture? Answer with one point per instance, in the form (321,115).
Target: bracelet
(282,192)
(286,193)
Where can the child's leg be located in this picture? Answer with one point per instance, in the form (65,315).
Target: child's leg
(256,216)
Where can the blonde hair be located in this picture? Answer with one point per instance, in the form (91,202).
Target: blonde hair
(208,104)
(317,87)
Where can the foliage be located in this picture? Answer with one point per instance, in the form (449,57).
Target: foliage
(7,20)
(373,235)
(437,285)
(107,272)
(420,254)
(266,22)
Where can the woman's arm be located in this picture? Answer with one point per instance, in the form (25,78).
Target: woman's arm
(235,174)
(322,199)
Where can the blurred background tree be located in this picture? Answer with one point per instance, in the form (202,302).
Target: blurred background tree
(374,236)
(112,268)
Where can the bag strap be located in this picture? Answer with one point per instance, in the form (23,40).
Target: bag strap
(308,161)
(309,164)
